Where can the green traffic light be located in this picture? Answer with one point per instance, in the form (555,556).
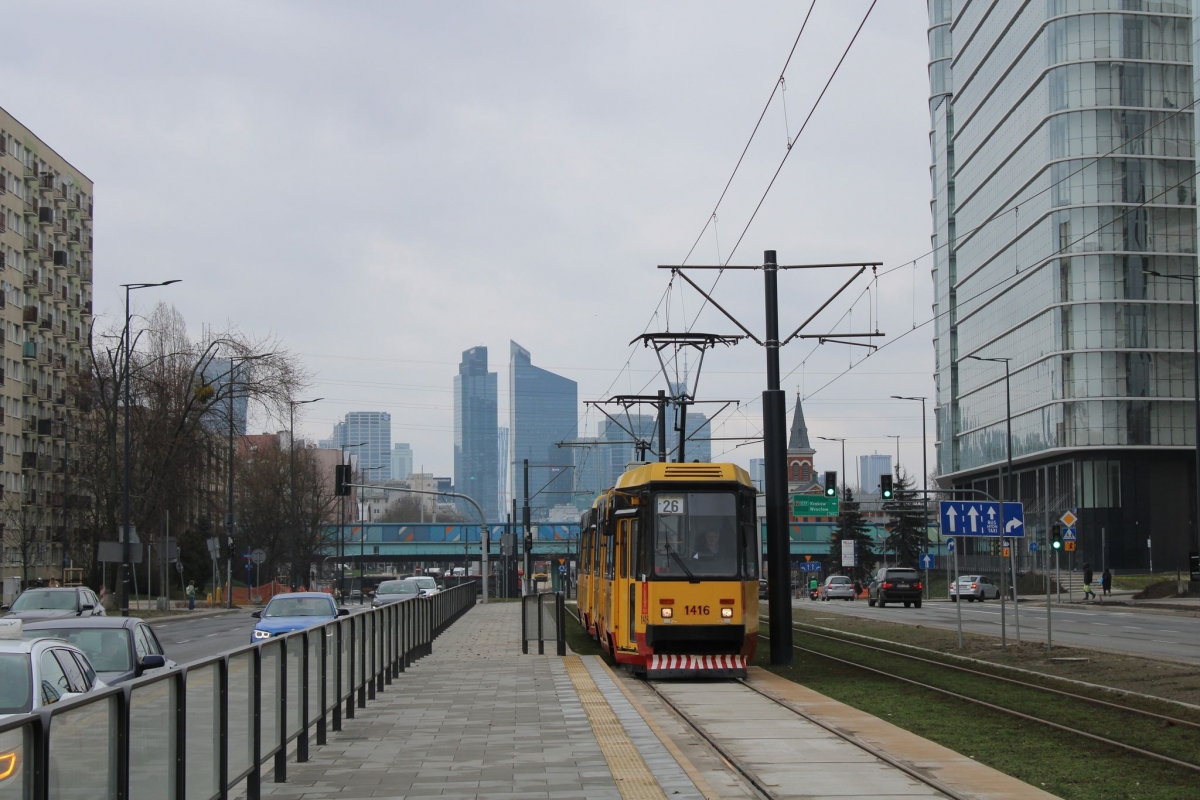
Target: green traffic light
(1057,545)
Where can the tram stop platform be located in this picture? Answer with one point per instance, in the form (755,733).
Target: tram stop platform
(476,719)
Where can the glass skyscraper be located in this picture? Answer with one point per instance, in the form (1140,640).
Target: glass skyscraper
(374,459)
(475,438)
(543,410)
(1062,153)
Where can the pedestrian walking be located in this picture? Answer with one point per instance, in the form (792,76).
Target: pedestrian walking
(191,595)
(1106,582)
(1087,582)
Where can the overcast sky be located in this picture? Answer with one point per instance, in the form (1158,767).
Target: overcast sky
(383,185)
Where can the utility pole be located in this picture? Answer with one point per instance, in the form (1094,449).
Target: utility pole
(662,425)
(774,406)
(527,535)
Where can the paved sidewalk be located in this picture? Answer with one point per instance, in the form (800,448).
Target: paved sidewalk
(475,719)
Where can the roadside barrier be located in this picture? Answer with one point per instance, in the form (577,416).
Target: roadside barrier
(543,615)
(201,729)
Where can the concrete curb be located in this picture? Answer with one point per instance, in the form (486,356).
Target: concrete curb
(198,614)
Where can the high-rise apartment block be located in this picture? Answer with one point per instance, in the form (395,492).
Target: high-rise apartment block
(402,461)
(475,456)
(1064,234)
(543,411)
(869,469)
(372,432)
(46,311)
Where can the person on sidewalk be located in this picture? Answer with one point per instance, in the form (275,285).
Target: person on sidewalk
(1087,582)
(191,595)
(1106,582)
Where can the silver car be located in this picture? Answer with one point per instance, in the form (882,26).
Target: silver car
(974,587)
(837,587)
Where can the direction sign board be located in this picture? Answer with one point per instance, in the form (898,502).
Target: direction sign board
(926,561)
(810,566)
(1068,519)
(983,518)
(1068,534)
(814,505)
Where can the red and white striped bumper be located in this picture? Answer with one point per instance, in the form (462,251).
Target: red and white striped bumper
(696,667)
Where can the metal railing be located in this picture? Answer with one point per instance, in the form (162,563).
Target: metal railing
(545,619)
(201,729)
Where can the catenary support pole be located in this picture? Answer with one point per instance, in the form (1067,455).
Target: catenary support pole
(775,469)
(526,534)
(662,425)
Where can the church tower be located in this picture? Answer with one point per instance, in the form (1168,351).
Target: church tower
(801,475)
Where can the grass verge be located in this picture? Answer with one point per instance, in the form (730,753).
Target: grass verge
(578,639)
(1064,764)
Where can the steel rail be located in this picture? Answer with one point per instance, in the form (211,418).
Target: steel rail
(1011,712)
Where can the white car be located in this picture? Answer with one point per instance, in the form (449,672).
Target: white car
(837,587)
(425,583)
(39,672)
(974,587)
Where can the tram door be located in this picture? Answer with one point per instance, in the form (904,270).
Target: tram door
(630,564)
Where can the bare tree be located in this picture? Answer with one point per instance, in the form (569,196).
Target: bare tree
(24,530)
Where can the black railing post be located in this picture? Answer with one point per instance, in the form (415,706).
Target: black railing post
(362,662)
(323,692)
(281,756)
(524,628)
(337,679)
(560,624)
(254,779)
(369,665)
(222,727)
(350,654)
(302,737)
(123,732)
(541,639)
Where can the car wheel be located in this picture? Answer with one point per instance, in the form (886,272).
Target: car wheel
(908,604)
(870,602)
(953,599)
(970,599)
(847,598)
(882,603)
(917,603)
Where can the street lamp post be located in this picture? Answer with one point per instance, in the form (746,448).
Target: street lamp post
(924,479)
(845,483)
(292,470)
(897,438)
(125,537)
(1195,389)
(1007,495)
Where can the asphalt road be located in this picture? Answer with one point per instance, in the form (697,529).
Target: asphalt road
(1160,634)
(190,639)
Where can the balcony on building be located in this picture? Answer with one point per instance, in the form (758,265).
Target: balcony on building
(30,314)
(29,351)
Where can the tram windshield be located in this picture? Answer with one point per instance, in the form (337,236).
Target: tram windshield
(696,535)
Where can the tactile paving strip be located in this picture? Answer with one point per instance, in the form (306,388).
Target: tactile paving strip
(633,778)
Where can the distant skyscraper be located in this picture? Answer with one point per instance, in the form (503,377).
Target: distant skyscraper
(869,469)
(758,474)
(502,497)
(217,373)
(375,428)
(617,447)
(402,461)
(543,410)
(475,451)
(588,474)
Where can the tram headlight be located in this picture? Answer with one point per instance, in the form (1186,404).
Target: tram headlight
(667,613)
(727,613)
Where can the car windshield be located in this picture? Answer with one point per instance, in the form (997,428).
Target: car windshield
(696,534)
(106,648)
(902,574)
(423,582)
(299,607)
(838,580)
(16,696)
(44,600)
(397,587)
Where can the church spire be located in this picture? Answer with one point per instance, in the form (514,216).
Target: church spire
(798,441)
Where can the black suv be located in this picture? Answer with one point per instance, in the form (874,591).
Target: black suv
(895,584)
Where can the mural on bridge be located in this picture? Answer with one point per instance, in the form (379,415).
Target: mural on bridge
(392,533)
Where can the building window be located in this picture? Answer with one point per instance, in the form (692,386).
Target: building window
(804,475)
(795,472)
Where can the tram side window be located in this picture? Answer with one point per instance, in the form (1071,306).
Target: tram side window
(597,535)
(634,550)
(610,556)
(751,549)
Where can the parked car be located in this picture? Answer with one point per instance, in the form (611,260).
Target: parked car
(394,592)
(62,601)
(426,584)
(294,611)
(57,669)
(762,589)
(120,648)
(895,584)
(838,587)
(974,587)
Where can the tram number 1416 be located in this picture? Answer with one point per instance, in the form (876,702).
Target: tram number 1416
(697,610)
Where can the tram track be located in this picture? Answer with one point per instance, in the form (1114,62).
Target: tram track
(1113,711)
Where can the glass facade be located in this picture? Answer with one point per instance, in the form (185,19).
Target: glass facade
(543,411)
(1063,200)
(476,455)
(374,459)
(1062,162)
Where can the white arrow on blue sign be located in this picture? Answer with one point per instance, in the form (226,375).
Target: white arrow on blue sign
(949,545)
(926,561)
(1033,546)
(982,518)
(810,566)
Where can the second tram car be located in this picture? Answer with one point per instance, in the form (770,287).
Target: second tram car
(668,570)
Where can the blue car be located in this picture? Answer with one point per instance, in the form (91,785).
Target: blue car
(293,612)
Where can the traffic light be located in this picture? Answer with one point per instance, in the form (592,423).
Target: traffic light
(831,484)
(1056,538)
(885,487)
(341,477)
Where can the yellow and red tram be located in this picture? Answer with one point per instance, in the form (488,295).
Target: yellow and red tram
(668,570)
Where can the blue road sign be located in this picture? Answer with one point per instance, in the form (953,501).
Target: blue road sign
(982,518)
(926,561)
(1033,547)
(810,566)
(949,545)
(1014,520)
(1068,534)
